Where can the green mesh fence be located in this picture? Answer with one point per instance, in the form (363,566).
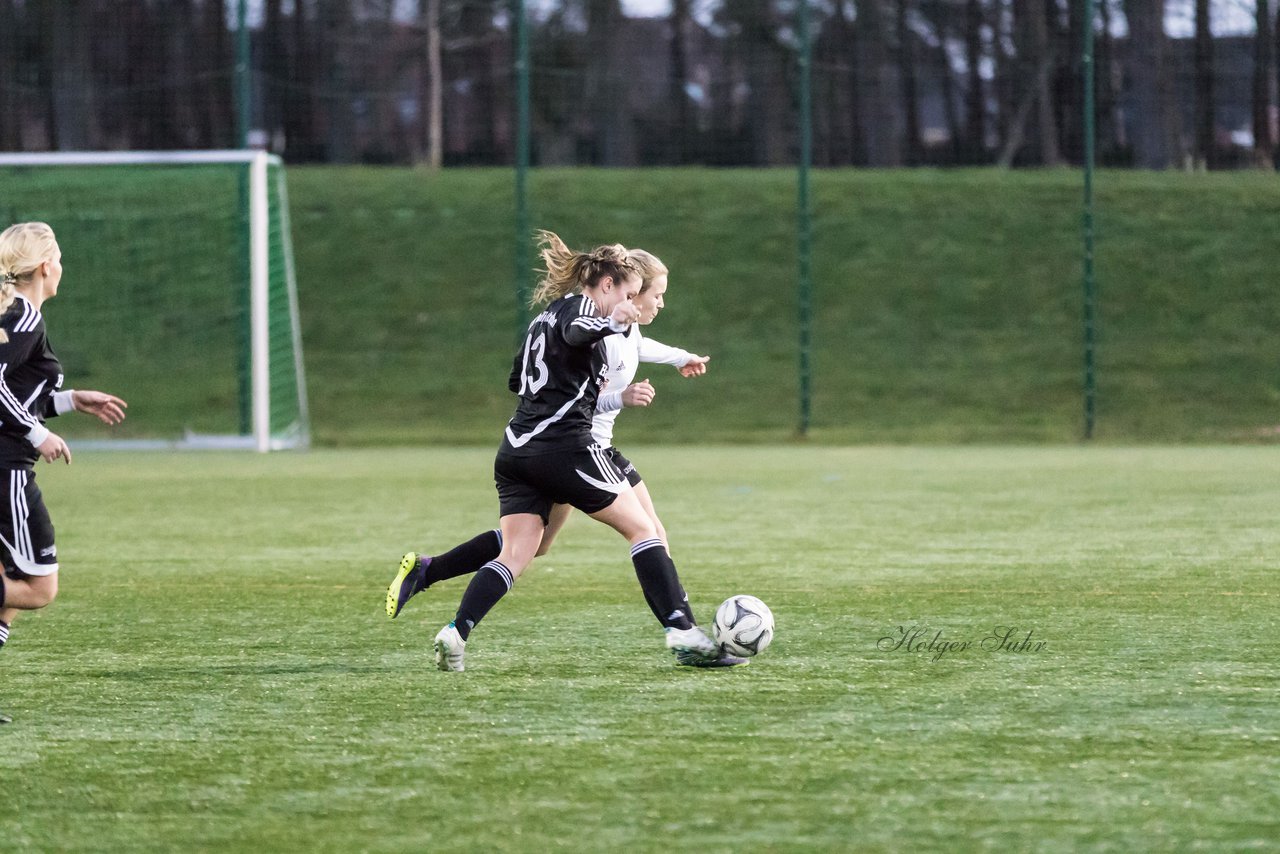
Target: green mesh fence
(153,302)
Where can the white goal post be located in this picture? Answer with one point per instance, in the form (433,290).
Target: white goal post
(277,416)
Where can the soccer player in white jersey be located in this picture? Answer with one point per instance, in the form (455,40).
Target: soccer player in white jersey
(548,456)
(623,355)
(30,392)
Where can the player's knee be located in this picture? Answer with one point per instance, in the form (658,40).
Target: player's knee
(643,530)
(44,591)
(515,562)
(548,537)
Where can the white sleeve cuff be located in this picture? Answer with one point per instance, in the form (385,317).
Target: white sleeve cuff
(37,435)
(610,401)
(62,401)
(618,327)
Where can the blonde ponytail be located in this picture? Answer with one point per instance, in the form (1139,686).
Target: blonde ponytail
(568,271)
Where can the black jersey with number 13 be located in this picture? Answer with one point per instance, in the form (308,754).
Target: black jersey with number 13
(558,372)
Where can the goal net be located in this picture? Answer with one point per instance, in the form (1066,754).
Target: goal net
(178,293)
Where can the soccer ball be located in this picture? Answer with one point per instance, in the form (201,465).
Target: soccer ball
(744,625)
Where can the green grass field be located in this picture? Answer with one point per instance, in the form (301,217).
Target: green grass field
(217,673)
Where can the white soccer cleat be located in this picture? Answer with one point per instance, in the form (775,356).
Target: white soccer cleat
(691,646)
(449,649)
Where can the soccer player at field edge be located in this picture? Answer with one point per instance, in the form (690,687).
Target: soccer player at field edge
(31,391)
(548,456)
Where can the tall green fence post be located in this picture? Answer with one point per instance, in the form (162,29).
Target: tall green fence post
(243,89)
(524,287)
(242,92)
(804,230)
(1090,287)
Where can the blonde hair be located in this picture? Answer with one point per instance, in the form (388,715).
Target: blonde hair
(649,265)
(23,248)
(567,271)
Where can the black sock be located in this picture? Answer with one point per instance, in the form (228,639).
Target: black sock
(687,609)
(463,559)
(661,585)
(491,583)
(4,632)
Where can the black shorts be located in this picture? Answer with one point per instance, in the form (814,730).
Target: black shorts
(586,478)
(624,465)
(25,527)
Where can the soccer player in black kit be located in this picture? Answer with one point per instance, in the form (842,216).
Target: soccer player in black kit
(548,457)
(30,392)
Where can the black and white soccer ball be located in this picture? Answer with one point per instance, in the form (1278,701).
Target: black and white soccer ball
(744,625)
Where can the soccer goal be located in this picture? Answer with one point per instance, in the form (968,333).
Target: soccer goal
(178,293)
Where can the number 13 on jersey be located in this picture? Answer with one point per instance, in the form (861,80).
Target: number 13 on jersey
(533,372)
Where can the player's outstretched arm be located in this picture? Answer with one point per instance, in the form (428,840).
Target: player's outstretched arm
(107,408)
(688,364)
(585,330)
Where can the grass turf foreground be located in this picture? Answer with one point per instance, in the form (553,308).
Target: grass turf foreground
(217,673)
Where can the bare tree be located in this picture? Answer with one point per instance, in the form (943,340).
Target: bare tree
(338,80)
(947,84)
(1275,31)
(275,69)
(911,148)
(10,104)
(217,121)
(1112,134)
(300,135)
(68,74)
(1263,143)
(480,54)
(975,103)
(940,31)
(876,85)
(759,83)
(679,109)
(1007,72)
(1048,125)
(830,71)
(335,25)
(1066,34)
(1148,69)
(433,108)
(1035,60)
(178,90)
(614,139)
(1204,106)
(852,132)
